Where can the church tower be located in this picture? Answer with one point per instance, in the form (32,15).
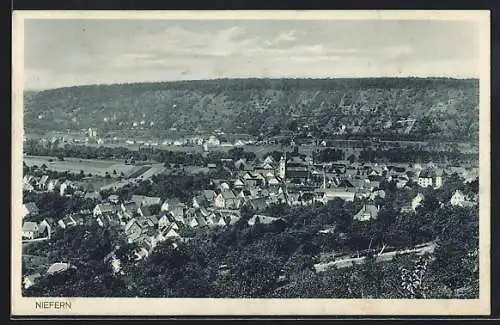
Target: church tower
(282,167)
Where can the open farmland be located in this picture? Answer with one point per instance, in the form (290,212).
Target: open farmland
(75,165)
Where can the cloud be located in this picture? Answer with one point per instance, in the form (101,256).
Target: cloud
(284,37)
(170,50)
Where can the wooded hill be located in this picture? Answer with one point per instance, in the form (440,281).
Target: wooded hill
(442,108)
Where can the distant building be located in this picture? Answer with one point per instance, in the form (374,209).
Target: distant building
(256,218)
(458,199)
(213,141)
(367,212)
(329,194)
(114,199)
(430,177)
(59,268)
(30,280)
(142,200)
(417,201)
(30,230)
(30,209)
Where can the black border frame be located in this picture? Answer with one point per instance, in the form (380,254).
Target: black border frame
(281,5)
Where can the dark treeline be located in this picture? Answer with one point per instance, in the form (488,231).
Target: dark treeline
(165,186)
(402,154)
(216,85)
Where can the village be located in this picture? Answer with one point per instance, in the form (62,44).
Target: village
(293,179)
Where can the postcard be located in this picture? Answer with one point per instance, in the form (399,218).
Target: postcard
(281,163)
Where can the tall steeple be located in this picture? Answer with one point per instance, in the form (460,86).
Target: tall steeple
(282,167)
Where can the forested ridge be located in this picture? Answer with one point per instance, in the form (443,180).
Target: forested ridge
(442,107)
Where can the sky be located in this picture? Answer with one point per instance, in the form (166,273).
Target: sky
(68,52)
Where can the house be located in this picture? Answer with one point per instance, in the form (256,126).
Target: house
(52,185)
(277,197)
(165,221)
(30,280)
(258,204)
(140,254)
(67,222)
(273,181)
(196,221)
(458,199)
(105,208)
(417,201)
(239,143)
(471,175)
(225,199)
(307,197)
(330,194)
(205,198)
(114,262)
(128,210)
(28,187)
(178,211)
(212,219)
(363,192)
(57,268)
(114,199)
(367,212)
(269,160)
(94,196)
(224,186)
(142,200)
(401,183)
(129,207)
(412,206)
(211,166)
(238,183)
(213,141)
(45,229)
(134,229)
(377,193)
(330,230)
(170,203)
(430,177)
(293,199)
(30,230)
(233,219)
(64,187)
(170,233)
(257,218)
(144,211)
(240,164)
(29,179)
(245,194)
(43,182)
(30,209)
(222,221)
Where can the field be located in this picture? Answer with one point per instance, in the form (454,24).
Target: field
(75,165)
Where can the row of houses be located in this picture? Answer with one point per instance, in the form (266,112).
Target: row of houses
(44,183)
